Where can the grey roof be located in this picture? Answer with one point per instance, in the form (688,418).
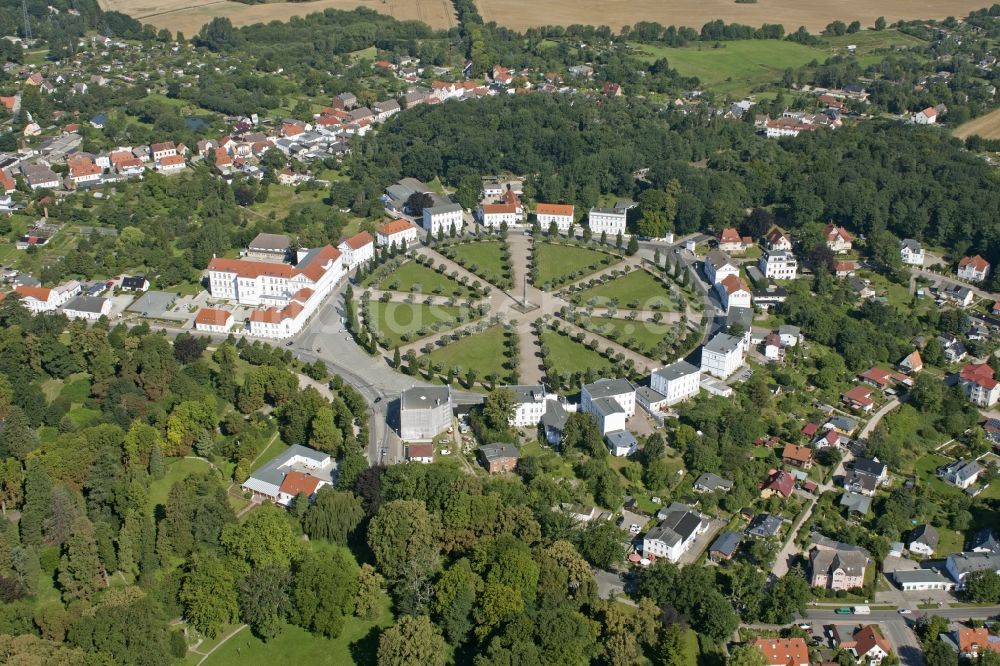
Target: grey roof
(772,292)
(649,395)
(713,482)
(965,563)
(852,562)
(86,304)
(605,388)
(398,192)
(495,451)
(740,316)
(274,242)
(826,542)
(555,415)
(718,258)
(788,329)
(869,466)
(388,105)
(861,480)
(962,470)
(420,397)
(676,370)
(903,576)
(272,472)
(606,406)
(856,502)
(925,534)
(764,525)
(985,540)
(443,208)
(723,343)
(754,274)
(523,394)
(726,543)
(677,526)
(913,245)
(844,423)
(620,438)
(608,211)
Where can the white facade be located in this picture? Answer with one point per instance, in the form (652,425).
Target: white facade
(494,215)
(719,266)
(530,409)
(396,233)
(444,218)
(357,249)
(779,265)
(733,293)
(561,214)
(974,269)
(161,150)
(263,283)
(211,320)
(620,390)
(93,308)
(722,356)
(676,382)
(608,221)
(910,252)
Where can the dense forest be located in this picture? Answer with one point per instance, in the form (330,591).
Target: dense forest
(913,182)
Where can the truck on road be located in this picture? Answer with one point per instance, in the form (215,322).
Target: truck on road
(862,610)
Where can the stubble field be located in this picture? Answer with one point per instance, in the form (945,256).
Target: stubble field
(189,15)
(987,126)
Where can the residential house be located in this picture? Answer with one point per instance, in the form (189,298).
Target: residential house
(779,483)
(608,221)
(961,473)
(396,233)
(837,569)
(499,458)
(838,239)
(921,580)
(722,355)
(675,534)
(424,412)
(779,265)
(867,644)
(710,483)
(298,469)
(719,266)
(554,421)
(859,398)
(493,216)
(773,349)
(171,164)
(420,453)
(798,456)
(39,176)
(778,240)
(846,268)
(954,350)
(443,218)
(134,283)
(162,150)
(912,364)
(911,253)
(357,249)
(87,307)
(784,651)
(960,565)
(733,292)
(38,299)
(973,269)
(926,116)
(212,320)
(610,401)
(621,443)
(856,503)
(676,382)
(561,214)
(979,385)
(923,540)
(790,335)
(385,110)
(973,643)
(531,402)
(725,546)
(731,241)
(958,294)
(764,526)
(984,541)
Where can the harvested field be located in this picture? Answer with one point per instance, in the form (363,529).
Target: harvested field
(188,16)
(695,13)
(987,126)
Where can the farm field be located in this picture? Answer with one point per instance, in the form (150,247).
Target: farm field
(637,288)
(483,352)
(556,261)
(427,280)
(394,319)
(987,126)
(695,13)
(189,15)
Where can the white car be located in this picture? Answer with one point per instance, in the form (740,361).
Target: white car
(905,611)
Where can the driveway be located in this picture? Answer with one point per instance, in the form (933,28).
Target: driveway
(702,542)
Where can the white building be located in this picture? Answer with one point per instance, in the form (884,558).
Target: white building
(779,265)
(621,443)
(610,221)
(396,233)
(722,355)
(675,534)
(838,239)
(161,150)
(960,565)
(974,269)
(676,382)
(979,384)
(357,249)
(213,320)
(87,307)
(610,401)
(494,215)
(424,413)
(531,401)
(561,214)
(719,266)
(733,293)
(38,299)
(298,469)
(443,218)
(910,252)
(927,116)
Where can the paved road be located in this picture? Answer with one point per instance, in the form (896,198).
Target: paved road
(878,416)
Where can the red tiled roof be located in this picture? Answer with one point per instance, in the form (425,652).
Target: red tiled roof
(783,651)
(166,145)
(732,284)
(809,429)
(781,482)
(395,227)
(860,395)
(38,293)
(977,262)
(83,168)
(867,637)
(832,232)
(420,451)
(797,453)
(553,209)
(358,241)
(212,317)
(171,160)
(878,376)
(499,209)
(980,374)
(297,482)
